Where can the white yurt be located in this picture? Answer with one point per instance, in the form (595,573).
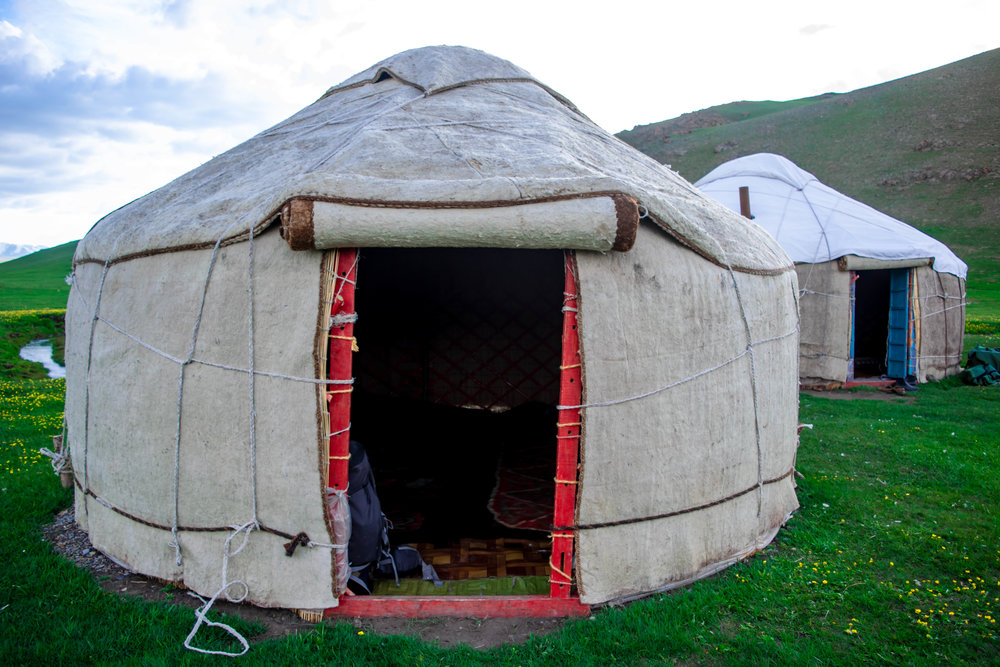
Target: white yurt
(443,259)
(878,298)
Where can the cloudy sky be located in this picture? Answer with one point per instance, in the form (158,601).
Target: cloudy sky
(102,101)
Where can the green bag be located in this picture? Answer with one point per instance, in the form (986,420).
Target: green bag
(985,356)
(981,374)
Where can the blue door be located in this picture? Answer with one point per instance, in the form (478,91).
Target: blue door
(897,358)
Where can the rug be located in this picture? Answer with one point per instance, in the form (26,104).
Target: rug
(524,495)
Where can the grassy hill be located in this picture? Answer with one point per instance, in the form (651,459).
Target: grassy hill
(37,280)
(924,149)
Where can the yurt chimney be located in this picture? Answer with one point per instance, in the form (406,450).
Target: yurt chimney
(745,202)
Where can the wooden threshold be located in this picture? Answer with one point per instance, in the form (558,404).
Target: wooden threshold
(868,383)
(497,606)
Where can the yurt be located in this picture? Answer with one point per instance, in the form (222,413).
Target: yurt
(879,300)
(562,359)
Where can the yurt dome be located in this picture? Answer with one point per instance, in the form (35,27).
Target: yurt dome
(879,298)
(559,356)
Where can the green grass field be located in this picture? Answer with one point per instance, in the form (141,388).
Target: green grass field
(37,280)
(894,557)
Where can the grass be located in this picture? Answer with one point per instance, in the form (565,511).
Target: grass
(894,557)
(37,280)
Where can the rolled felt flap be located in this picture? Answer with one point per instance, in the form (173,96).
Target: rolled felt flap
(596,222)
(857,263)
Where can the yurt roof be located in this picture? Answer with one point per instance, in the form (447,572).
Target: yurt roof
(436,127)
(815,223)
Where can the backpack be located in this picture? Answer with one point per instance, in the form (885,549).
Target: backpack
(368,550)
(369,527)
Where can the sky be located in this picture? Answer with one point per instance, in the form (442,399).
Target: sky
(103,101)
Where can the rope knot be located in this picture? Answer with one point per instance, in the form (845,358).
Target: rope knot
(300,540)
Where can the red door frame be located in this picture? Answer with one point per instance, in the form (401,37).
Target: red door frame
(340,349)
(560,601)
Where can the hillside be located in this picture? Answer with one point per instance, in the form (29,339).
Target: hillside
(37,280)
(924,149)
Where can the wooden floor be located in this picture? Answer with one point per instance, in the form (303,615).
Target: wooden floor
(477,559)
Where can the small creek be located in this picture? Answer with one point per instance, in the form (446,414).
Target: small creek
(40,351)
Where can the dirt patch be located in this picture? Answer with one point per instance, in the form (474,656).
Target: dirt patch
(67,538)
(845,394)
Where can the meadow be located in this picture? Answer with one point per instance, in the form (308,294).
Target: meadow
(893,557)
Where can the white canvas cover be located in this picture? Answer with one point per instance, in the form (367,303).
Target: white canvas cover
(195,336)
(813,222)
(829,236)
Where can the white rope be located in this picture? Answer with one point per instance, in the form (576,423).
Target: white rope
(353,136)
(942,296)
(619,401)
(324,545)
(175,535)
(90,359)
(60,460)
(201,612)
(203,362)
(832,296)
(341,431)
(943,310)
(269,374)
(343,319)
(753,388)
(252,377)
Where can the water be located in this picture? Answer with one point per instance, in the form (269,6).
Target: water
(40,351)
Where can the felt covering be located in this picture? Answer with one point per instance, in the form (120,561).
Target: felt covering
(164,435)
(127,461)
(471,129)
(590,223)
(939,302)
(825,323)
(690,445)
(937,313)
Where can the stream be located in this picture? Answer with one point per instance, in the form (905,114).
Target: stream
(40,351)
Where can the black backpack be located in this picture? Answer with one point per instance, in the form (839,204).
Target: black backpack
(368,551)
(369,529)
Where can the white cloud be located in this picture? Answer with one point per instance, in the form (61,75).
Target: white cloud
(101,102)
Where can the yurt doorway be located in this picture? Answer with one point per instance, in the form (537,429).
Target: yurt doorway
(457,378)
(879,339)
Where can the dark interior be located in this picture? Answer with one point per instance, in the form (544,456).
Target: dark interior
(456,382)
(871,323)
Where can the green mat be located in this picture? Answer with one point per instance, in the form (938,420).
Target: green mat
(466,587)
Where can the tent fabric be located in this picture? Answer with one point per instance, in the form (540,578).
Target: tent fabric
(130,459)
(829,235)
(813,222)
(197,336)
(665,454)
(472,129)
